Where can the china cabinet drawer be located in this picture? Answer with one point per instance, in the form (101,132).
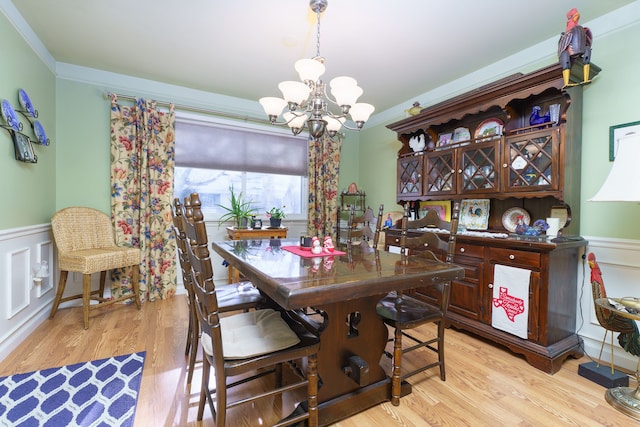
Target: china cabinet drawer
(514,257)
(470,250)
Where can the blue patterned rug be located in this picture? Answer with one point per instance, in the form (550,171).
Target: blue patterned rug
(100,393)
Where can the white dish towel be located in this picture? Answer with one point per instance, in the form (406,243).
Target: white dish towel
(510,311)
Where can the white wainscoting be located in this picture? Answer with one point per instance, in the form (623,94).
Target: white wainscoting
(24,303)
(619,261)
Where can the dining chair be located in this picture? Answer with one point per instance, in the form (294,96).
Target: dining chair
(85,240)
(231,297)
(358,226)
(403,312)
(248,344)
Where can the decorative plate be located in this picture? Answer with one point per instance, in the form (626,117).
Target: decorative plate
(512,216)
(474,214)
(25,102)
(38,130)
(9,115)
(461,134)
(489,128)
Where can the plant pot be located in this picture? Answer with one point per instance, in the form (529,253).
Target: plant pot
(243,223)
(275,223)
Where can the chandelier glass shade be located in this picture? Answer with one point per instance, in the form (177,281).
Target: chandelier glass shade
(308,102)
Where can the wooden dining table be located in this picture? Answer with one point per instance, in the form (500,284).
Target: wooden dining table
(343,288)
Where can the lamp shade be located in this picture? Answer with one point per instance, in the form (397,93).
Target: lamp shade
(623,182)
(294,92)
(295,121)
(309,69)
(334,124)
(273,106)
(360,112)
(346,95)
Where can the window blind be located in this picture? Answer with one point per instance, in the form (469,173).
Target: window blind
(218,146)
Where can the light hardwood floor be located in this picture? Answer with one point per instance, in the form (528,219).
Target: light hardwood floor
(486,385)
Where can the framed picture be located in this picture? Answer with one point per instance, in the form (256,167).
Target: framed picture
(444,139)
(442,207)
(23,148)
(618,131)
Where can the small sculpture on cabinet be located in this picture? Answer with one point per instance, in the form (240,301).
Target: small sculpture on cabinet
(575,42)
(415,109)
(537,119)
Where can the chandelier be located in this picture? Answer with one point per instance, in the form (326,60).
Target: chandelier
(308,102)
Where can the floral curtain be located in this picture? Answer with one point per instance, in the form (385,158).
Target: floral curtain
(324,167)
(142,165)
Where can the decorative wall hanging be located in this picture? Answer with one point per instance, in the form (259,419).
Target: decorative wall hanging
(22,147)
(29,111)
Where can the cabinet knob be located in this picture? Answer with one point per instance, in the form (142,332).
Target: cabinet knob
(504,165)
(490,285)
(397,240)
(459,170)
(461,250)
(512,257)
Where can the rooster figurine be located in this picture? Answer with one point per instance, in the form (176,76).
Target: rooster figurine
(629,336)
(574,42)
(537,119)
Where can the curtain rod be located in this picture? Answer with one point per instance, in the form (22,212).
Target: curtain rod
(195,109)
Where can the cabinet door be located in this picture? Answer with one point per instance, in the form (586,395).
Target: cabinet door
(440,173)
(466,294)
(529,161)
(410,177)
(477,168)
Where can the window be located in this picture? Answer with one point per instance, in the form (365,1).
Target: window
(267,165)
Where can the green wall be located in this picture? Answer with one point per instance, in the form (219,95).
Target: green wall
(28,189)
(612,99)
(83,159)
(75,168)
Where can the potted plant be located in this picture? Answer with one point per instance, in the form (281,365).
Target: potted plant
(239,210)
(275,216)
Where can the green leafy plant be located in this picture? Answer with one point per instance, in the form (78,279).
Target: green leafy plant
(276,213)
(238,209)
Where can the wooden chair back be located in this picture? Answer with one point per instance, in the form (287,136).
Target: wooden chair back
(429,242)
(359,226)
(206,301)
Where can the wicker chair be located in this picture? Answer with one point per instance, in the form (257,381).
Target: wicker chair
(86,244)
(235,296)
(403,312)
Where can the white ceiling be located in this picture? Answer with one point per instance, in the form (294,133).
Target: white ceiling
(244,48)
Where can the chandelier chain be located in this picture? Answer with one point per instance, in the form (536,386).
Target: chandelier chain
(318,34)
(308,100)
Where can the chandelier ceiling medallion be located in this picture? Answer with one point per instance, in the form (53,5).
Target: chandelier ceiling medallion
(308,101)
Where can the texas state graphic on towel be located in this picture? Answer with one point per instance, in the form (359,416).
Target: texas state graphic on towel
(510,311)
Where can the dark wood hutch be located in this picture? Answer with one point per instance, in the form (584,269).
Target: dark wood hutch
(536,168)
